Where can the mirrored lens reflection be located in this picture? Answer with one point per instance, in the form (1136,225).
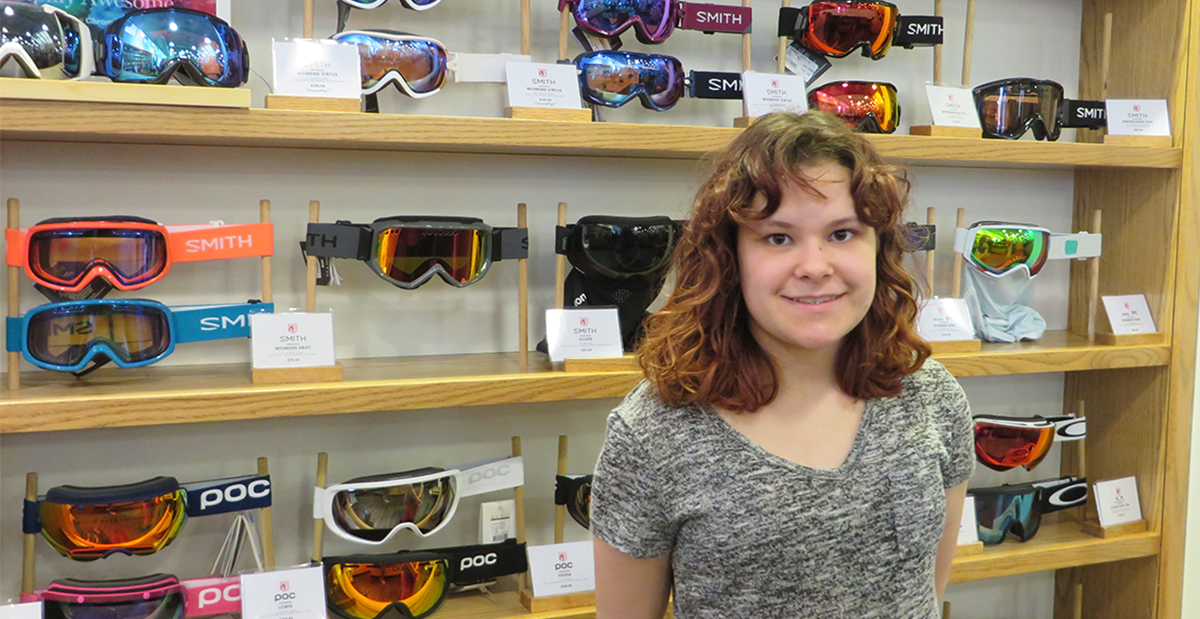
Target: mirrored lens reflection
(154,43)
(90,531)
(867,106)
(614,16)
(627,249)
(837,28)
(421,64)
(998,514)
(407,254)
(39,33)
(364,590)
(66,256)
(372,514)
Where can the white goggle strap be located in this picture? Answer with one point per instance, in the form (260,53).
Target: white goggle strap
(962,240)
(321,500)
(1074,246)
(1018,423)
(1071,429)
(491,477)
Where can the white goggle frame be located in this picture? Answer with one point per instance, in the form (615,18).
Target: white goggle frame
(394,75)
(1078,246)
(87,61)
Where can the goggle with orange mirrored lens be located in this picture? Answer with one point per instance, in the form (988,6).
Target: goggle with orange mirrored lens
(1003,443)
(838,28)
(870,107)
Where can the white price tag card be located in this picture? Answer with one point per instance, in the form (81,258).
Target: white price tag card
(1117,501)
(968,529)
(1138,117)
(285,594)
(945,320)
(583,333)
(497,521)
(538,84)
(763,93)
(298,340)
(562,568)
(1129,314)
(312,68)
(29,610)
(952,107)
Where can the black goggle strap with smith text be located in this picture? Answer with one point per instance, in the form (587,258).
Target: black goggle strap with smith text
(911,30)
(349,240)
(469,565)
(1082,114)
(202,498)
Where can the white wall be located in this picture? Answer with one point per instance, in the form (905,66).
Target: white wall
(195,184)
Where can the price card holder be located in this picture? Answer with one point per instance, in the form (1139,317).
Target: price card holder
(540,91)
(26,610)
(1137,122)
(294,348)
(968,532)
(1130,322)
(316,76)
(954,114)
(946,325)
(583,333)
(562,575)
(1118,508)
(293,593)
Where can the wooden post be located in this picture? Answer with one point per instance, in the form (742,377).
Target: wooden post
(319,523)
(937,49)
(746,44)
(564,29)
(930,219)
(519,503)
(1105,55)
(560,262)
(264,213)
(308,19)
(1081,449)
(1094,289)
(945,605)
(968,41)
(523,295)
(525,42)
(961,222)
(781,60)
(560,511)
(14,298)
(268,528)
(27,564)
(310,292)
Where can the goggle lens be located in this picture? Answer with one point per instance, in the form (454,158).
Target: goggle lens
(363,590)
(372,514)
(613,78)
(627,249)
(837,28)
(170,607)
(37,31)
(65,257)
(154,43)
(1003,447)
(64,335)
(997,250)
(579,504)
(867,106)
(997,514)
(88,532)
(405,254)
(420,63)
(1007,109)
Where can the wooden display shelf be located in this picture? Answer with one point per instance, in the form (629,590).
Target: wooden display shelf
(164,395)
(1055,546)
(128,124)
(504,603)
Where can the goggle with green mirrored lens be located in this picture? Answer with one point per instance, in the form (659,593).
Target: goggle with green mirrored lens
(997,247)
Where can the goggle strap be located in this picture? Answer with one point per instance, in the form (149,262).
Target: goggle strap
(194,244)
(343,15)
(728,85)
(14,335)
(562,238)
(16,252)
(491,477)
(226,495)
(1082,114)
(339,240)
(562,489)
(1058,494)
(1070,428)
(31,523)
(962,240)
(1074,246)
(791,22)
(320,499)
(510,244)
(918,31)
(485,562)
(202,323)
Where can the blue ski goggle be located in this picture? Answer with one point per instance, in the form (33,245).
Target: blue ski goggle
(152,45)
(131,333)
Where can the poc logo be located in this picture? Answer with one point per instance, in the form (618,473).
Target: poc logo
(563,566)
(234,493)
(213,323)
(215,595)
(477,561)
(285,597)
(486,474)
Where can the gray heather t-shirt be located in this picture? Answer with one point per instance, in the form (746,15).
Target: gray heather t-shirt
(754,535)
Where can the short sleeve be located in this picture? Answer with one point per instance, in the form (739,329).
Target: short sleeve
(627,497)
(955,428)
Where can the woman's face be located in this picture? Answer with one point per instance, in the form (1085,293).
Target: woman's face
(808,270)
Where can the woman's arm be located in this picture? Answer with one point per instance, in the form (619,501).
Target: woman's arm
(628,588)
(945,553)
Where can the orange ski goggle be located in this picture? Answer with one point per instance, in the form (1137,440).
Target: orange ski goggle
(66,254)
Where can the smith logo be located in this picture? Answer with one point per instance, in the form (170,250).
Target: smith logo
(924,30)
(320,240)
(721,84)
(220,243)
(214,323)
(1091,113)
(477,561)
(712,17)
(81,327)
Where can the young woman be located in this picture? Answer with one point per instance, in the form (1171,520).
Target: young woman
(792,452)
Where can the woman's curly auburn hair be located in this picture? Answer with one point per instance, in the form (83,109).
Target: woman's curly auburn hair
(699,348)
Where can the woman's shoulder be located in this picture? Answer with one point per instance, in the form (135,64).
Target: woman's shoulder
(932,377)
(644,412)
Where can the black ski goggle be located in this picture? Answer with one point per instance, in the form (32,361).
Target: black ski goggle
(619,247)
(1010,107)
(576,494)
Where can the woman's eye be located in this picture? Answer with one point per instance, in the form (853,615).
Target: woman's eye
(778,239)
(842,235)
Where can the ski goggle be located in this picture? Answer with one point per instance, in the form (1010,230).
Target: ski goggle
(619,247)
(1018,508)
(652,20)
(152,45)
(344,7)
(838,28)
(613,78)
(373,509)
(408,251)
(997,247)
(413,583)
(158,596)
(44,42)
(131,333)
(1003,443)
(415,64)
(870,107)
(92,523)
(1008,108)
(576,494)
(66,254)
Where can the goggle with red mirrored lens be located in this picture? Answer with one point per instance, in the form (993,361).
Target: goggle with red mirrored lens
(1003,443)
(67,253)
(870,107)
(613,78)
(838,28)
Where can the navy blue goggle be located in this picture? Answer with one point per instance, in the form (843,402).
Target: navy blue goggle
(153,45)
